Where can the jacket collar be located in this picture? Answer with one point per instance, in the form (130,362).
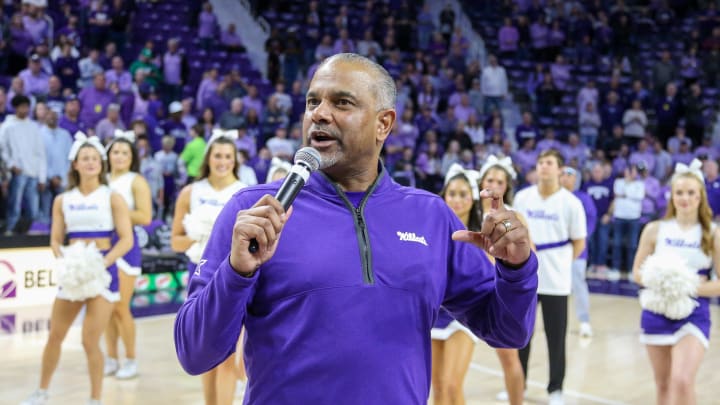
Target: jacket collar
(320,183)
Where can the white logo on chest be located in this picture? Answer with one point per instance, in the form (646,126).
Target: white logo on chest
(411,237)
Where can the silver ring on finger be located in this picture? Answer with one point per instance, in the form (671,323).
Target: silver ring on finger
(508,225)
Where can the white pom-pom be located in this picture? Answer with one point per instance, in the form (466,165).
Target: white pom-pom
(670,285)
(195,251)
(81,271)
(198,225)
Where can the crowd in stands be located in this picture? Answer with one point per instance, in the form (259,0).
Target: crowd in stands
(623,89)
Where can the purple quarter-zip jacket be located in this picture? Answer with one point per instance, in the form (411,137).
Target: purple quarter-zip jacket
(342,312)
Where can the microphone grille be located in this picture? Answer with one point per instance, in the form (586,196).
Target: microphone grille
(310,157)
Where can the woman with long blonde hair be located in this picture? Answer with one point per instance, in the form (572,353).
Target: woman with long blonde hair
(88,213)
(196,209)
(676,347)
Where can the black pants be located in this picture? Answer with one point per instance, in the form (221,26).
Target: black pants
(554,313)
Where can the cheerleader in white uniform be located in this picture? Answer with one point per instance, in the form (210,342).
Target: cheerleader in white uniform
(196,209)
(452,342)
(499,175)
(676,347)
(124,179)
(89,212)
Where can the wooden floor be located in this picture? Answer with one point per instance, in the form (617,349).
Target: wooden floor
(611,368)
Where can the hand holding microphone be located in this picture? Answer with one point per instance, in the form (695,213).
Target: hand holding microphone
(257,229)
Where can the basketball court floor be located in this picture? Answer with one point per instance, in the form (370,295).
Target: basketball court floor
(609,368)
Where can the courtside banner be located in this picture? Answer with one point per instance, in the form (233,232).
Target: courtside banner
(27,277)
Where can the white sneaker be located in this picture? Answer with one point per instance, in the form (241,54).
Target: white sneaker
(111,366)
(39,397)
(502,396)
(556,398)
(128,370)
(613,275)
(585,330)
(94,402)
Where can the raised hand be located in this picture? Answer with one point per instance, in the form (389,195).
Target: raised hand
(502,234)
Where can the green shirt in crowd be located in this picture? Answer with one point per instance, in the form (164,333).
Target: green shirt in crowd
(193,155)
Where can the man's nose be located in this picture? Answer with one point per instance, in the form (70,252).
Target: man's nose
(321,113)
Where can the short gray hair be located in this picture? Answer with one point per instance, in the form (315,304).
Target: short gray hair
(384,88)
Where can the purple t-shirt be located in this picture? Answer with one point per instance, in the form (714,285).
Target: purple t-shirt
(591,216)
(207,24)
(601,193)
(713,195)
(94,105)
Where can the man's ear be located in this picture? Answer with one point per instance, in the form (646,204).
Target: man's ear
(385,123)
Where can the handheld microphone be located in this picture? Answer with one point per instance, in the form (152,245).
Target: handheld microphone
(307,160)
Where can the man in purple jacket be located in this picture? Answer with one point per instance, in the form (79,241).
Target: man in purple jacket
(338,308)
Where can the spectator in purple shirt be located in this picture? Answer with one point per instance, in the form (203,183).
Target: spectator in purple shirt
(525,158)
(71,31)
(712,185)
(673,144)
(119,75)
(344,43)
(253,101)
(556,39)
(612,112)
(36,24)
(684,154)
(107,56)
(207,87)
(560,72)
(539,36)
(649,207)
(707,150)
(175,71)
(600,188)
(105,129)
(667,112)
(55,98)
(20,42)
(207,26)
(231,40)
(508,37)
(99,24)
(94,101)
(34,79)
(643,154)
(526,129)
(549,141)
(70,120)
(575,150)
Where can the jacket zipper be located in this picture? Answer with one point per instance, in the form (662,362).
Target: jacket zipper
(360,227)
(364,246)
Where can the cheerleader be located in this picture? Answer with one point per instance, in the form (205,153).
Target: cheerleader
(499,175)
(124,178)
(453,343)
(676,344)
(88,213)
(196,209)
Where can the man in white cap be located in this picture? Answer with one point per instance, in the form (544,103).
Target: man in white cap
(175,127)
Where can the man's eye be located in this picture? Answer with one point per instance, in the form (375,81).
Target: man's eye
(344,102)
(312,101)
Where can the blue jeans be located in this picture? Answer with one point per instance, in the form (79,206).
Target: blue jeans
(492,103)
(599,244)
(631,229)
(46,201)
(580,290)
(22,188)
